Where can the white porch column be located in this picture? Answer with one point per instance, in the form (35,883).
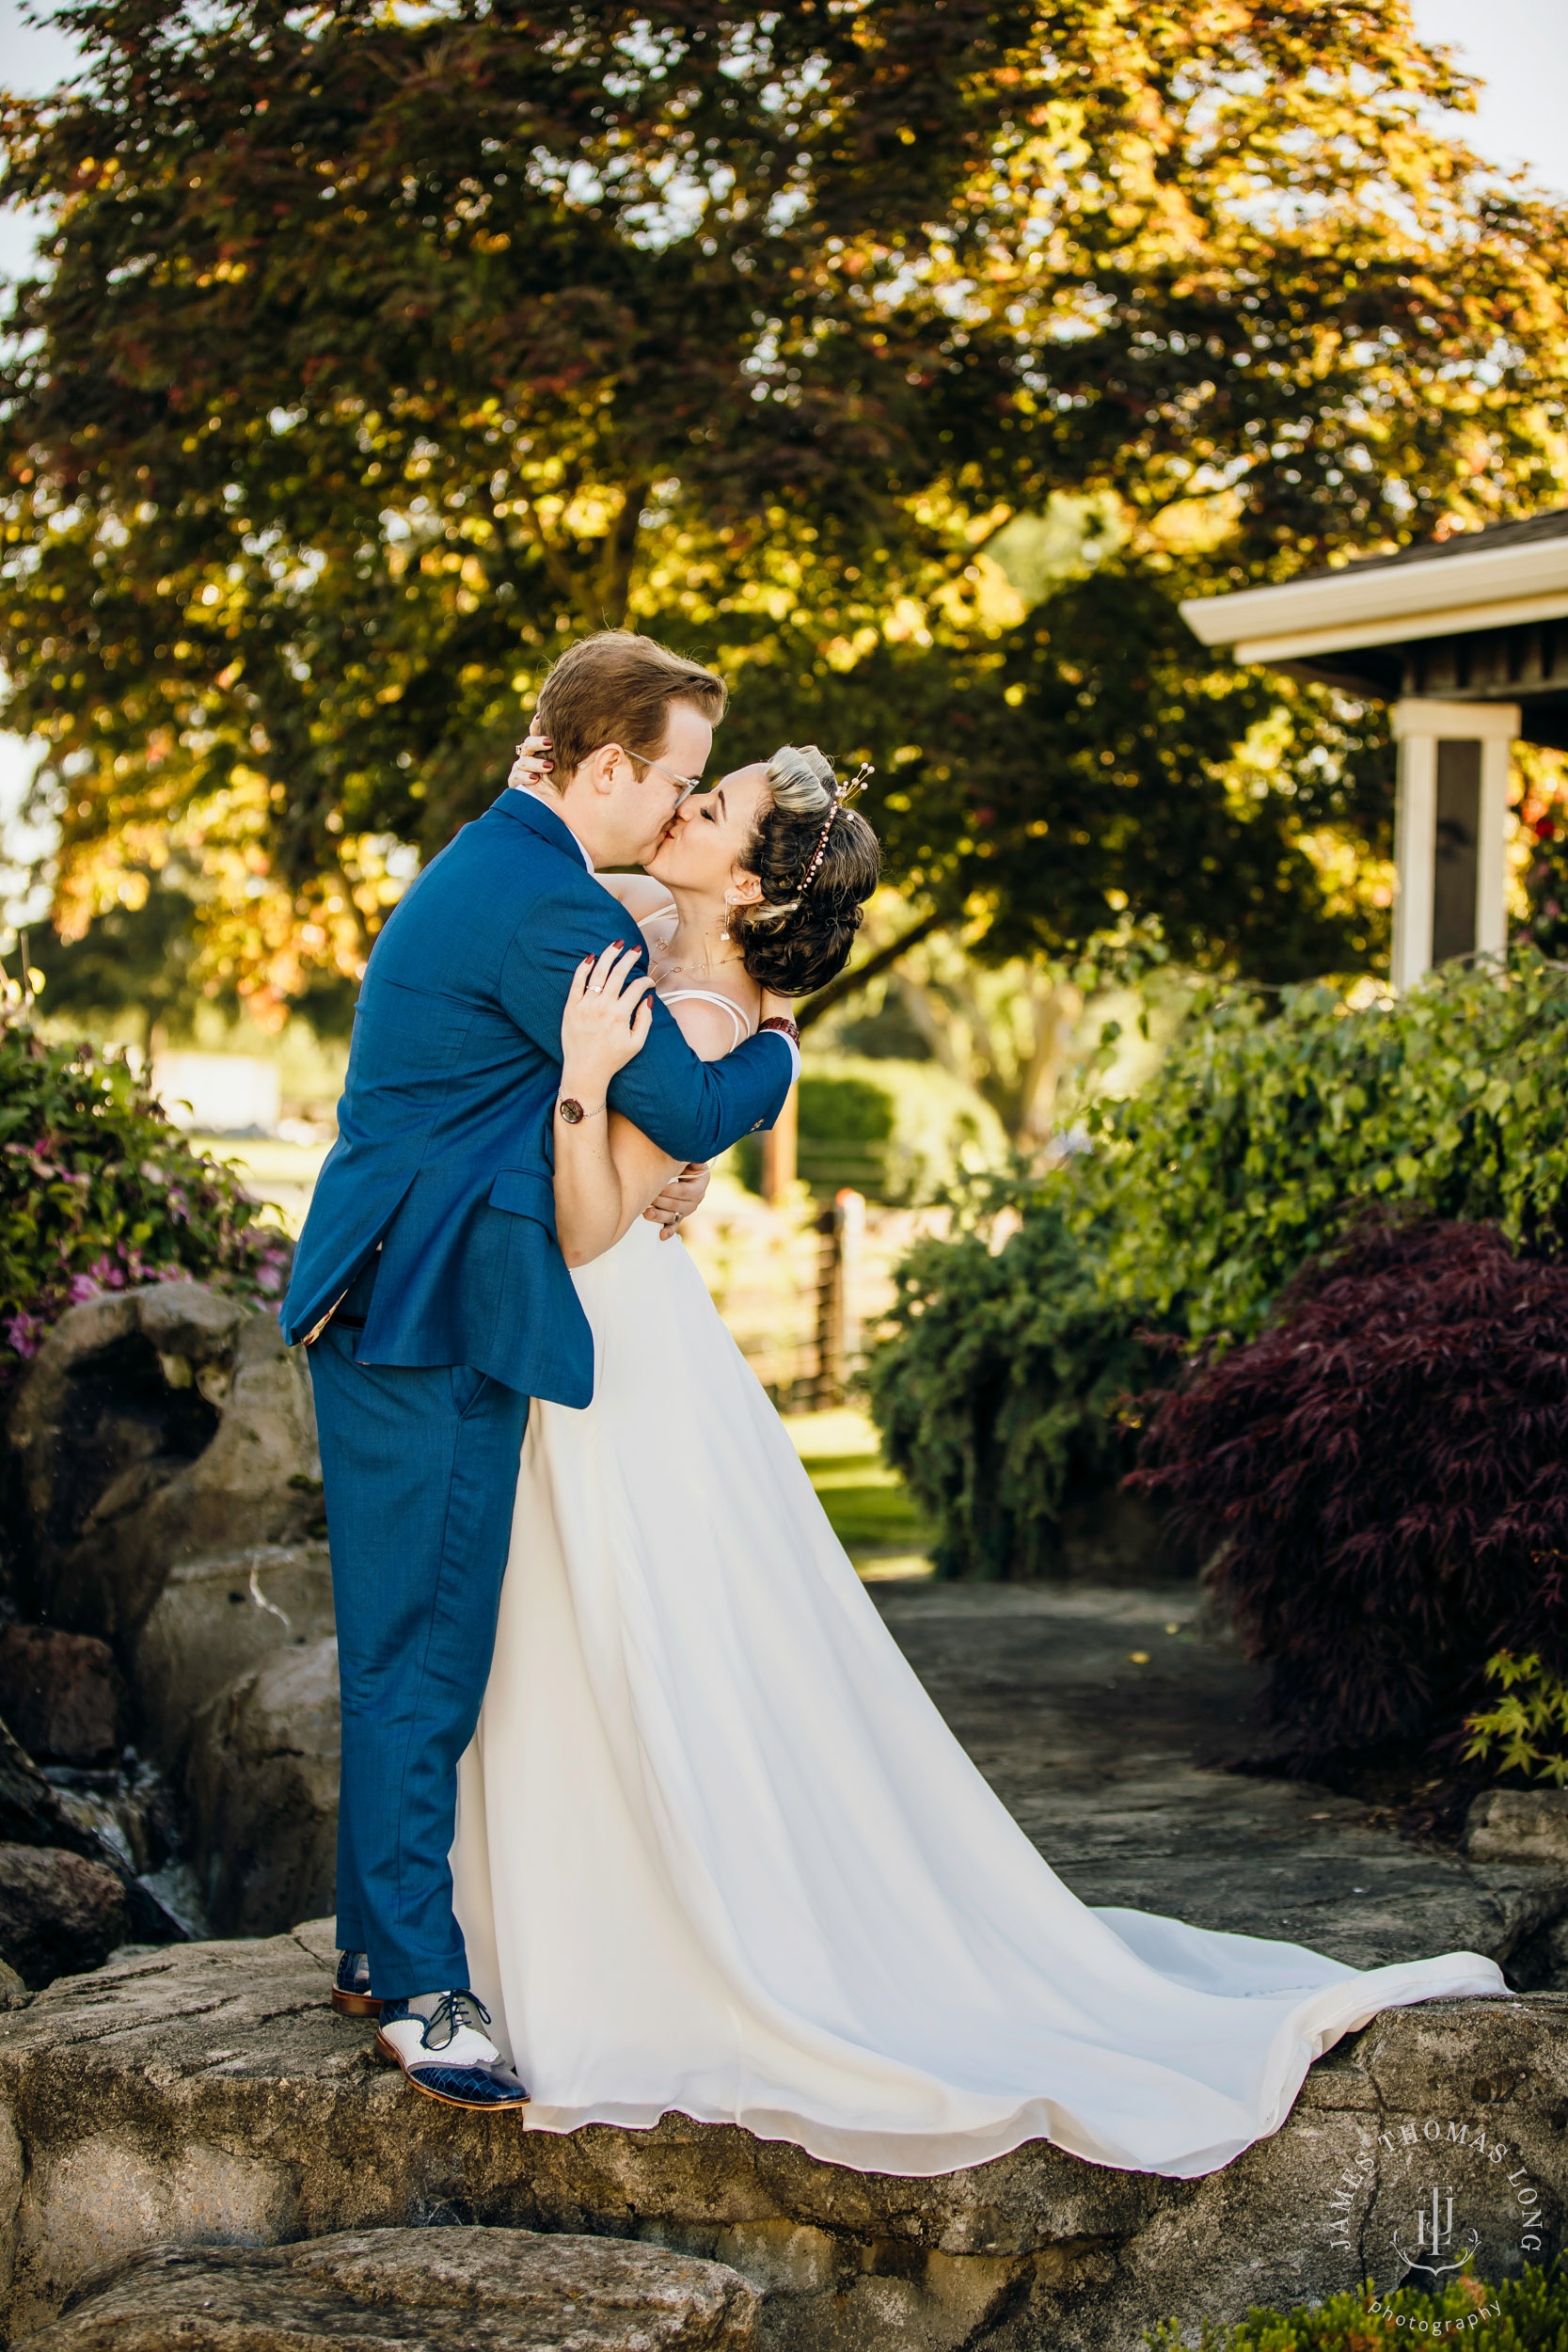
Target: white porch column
(1450,831)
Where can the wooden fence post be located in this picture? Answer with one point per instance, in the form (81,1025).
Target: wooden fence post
(837,1321)
(778,1156)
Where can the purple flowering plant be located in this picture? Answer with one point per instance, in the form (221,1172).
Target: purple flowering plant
(99,1193)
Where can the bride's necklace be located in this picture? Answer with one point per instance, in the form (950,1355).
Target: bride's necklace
(668,965)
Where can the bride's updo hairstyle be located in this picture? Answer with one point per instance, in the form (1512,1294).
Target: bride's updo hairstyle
(817,860)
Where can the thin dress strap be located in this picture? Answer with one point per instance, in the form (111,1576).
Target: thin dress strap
(710,996)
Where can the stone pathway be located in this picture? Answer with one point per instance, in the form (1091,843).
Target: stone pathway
(1097,1713)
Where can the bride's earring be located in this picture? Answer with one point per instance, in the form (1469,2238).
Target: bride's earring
(729,902)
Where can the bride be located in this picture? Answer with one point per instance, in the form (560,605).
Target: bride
(717,1851)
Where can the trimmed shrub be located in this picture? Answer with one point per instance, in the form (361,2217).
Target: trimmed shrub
(901,1132)
(97,1191)
(846,1125)
(1385,1472)
(1525,2314)
(1250,1151)
(1000,1394)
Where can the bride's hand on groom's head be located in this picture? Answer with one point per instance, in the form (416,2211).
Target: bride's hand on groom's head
(534,763)
(608,1015)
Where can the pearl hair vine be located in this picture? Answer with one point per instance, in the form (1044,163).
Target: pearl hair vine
(842,790)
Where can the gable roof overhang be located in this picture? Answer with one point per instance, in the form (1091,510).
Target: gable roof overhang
(1480,616)
(1390,602)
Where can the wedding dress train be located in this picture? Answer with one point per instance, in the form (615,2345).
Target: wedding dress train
(718,1852)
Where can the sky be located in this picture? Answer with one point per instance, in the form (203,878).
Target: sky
(1518,47)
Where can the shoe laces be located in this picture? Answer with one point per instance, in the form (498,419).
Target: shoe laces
(452,2011)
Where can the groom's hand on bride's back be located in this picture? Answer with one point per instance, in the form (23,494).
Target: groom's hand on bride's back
(681,1195)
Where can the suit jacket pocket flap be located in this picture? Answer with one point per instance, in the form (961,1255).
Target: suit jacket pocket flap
(524,1193)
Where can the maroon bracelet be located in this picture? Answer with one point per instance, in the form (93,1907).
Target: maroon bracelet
(784,1028)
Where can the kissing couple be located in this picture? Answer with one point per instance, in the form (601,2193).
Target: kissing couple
(642,1804)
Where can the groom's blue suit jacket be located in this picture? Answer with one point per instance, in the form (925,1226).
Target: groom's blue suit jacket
(445,1139)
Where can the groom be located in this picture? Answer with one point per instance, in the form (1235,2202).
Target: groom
(435,1302)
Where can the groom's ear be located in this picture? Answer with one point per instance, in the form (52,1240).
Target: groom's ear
(603,767)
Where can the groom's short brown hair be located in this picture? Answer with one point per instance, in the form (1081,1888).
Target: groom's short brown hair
(616,687)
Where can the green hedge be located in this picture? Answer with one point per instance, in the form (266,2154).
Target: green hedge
(97,1191)
(1265,1128)
(1001,1397)
(1525,2314)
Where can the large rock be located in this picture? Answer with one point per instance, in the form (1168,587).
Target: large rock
(262,1790)
(59,1912)
(502,2290)
(35,1814)
(32,1813)
(209,2094)
(215,1618)
(155,1426)
(1519,1825)
(61,1693)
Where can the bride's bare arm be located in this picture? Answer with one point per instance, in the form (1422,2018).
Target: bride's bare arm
(604,1025)
(607,1171)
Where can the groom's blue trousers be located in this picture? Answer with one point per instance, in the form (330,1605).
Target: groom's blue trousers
(421,1469)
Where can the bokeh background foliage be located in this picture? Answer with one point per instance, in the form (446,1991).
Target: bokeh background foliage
(908,362)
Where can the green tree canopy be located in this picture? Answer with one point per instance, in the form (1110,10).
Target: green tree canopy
(373,354)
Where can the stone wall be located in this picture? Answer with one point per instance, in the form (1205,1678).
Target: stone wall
(164,1548)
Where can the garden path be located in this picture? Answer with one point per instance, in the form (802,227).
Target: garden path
(1103,1716)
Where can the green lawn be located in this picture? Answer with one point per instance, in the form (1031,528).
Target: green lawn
(871,1511)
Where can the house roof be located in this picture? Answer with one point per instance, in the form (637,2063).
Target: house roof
(1553,524)
(1502,577)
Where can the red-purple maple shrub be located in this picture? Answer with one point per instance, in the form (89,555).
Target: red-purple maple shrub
(1385,1473)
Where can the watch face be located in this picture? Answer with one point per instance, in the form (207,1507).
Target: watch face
(570,1111)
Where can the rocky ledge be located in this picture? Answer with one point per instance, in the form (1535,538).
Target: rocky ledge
(407,2291)
(205,2094)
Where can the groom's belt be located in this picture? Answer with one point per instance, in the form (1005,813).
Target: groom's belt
(344,1322)
(335,1314)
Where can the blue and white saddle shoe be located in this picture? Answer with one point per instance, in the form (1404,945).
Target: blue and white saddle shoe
(444,2054)
(351,1987)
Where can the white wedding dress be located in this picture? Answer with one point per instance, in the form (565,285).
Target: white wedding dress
(718,1852)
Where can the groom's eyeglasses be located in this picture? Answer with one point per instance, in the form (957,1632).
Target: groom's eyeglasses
(687,784)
